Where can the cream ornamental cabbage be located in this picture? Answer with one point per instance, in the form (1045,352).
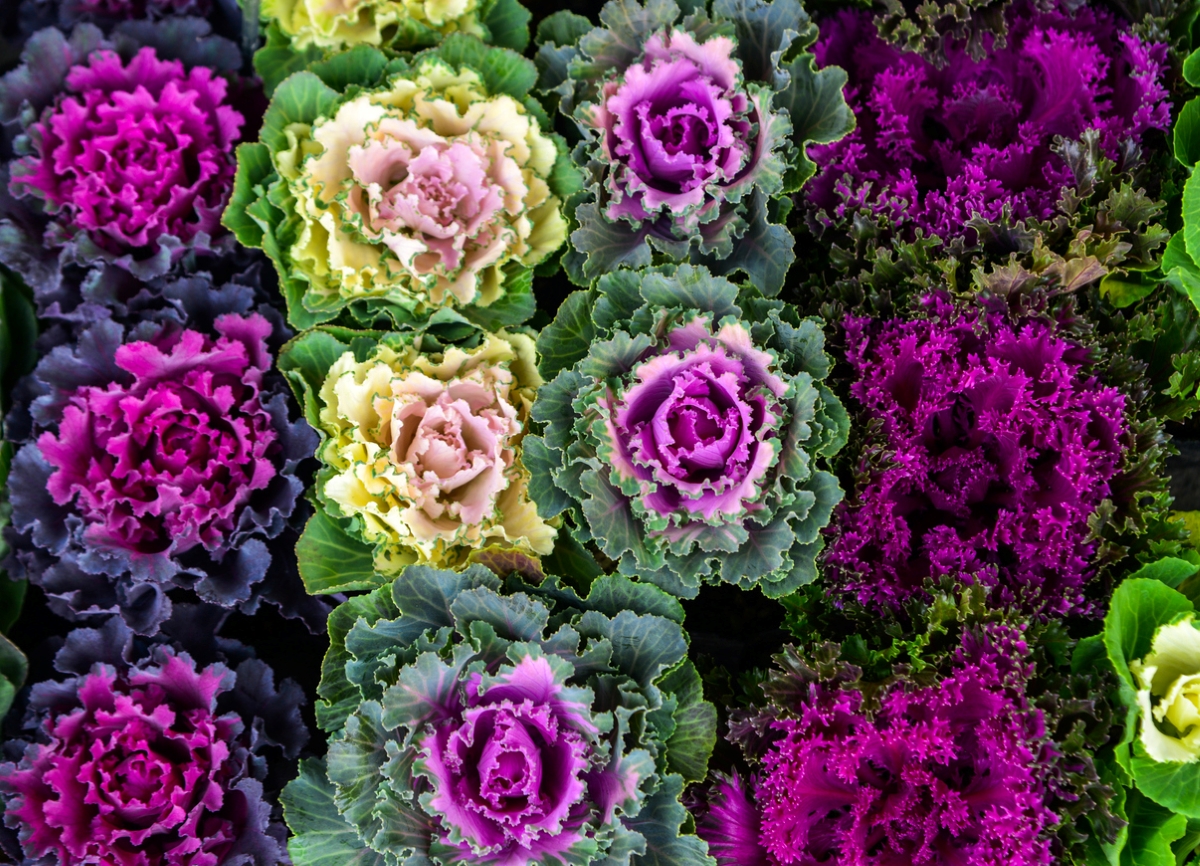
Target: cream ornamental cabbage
(388,189)
(337,24)
(423,191)
(424,450)
(1169,693)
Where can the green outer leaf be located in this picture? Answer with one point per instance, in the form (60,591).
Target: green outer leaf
(320,836)
(507,22)
(643,646)
(1169,570)
(764,252)
(660,822)
(302,98)
(14,667)
(338,696)
(1191,68)
(1175,786)
(360,66)
(1152,829)
(331,560)
(1191,216)
(818,111)
(1186,135)
(572,561)
(691,743)
(253,168)
(502,70)
(1139,606)
(608,245)
(278,59)
(12,597)
(566,340)
(305,362)
(543,465)
(762,31)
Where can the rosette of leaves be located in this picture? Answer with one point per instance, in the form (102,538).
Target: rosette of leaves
(524,725)
(81,114)
(421,449)
(694,123)
(1153,647)
(683,425)
(187,398)
(386,189)
(156,755)
(301,32)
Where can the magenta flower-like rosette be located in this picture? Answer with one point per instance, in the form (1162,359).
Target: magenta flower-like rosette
(683,440)
(128,161)
(990,446)
(691,130)
(158,456)
(467,730)
(152,764)
(954,771)
(938,145)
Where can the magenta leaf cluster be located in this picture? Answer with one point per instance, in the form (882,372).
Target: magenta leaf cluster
(156,456)
(944,773)
(989,447)
(138,766)
(936,146)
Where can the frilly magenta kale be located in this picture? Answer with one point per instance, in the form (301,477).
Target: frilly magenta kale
(694,131)
(155,455)
(145,757)
(421,443)
(683,425)
(475,209)
(936,147)
(917,771)
(84,114)
(528,726)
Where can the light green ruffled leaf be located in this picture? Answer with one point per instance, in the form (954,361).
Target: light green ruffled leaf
(320,836)
(1152,829)
(1186,134)
(426,595)
(514,617)
(337,695)
(608,245)
(502,70)
(253,168)
(332,560)
(305,362)
(278,58)
(691,743)
(691,287)
(643,646)
(353,766)
(302,98)
(507,23)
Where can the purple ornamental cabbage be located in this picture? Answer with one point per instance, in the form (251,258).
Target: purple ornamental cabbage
(124,153)
(156,456)
(466,729)
(692,125)
(952,772)
(936,147)
(988,448)
(157,763)
(684,439)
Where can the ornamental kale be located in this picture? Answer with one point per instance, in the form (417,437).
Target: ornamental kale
(693,131)
(989,447)
(955,770)
(937,147)
(156,454)
(683,440)
(392,189)
(158,762)
(125,152)
(528,727)
(420,449)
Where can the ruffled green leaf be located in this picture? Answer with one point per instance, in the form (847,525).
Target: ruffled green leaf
(320,836)
(502,70)
(338,696)
(14,668)
(660,823)
(278,58)
(691,743)
(332,560)
(507,23)
(565,340)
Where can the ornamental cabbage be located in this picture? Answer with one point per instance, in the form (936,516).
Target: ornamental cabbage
(693,130)
(155,763)
(1169,693)
(465,727)
(950,771)
(989,447)
(939,145)
(156,455)
(125,156)
(682,439)
(421,445)
(393,190)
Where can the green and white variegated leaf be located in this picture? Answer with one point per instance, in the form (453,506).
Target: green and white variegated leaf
(407,660)
(772,539)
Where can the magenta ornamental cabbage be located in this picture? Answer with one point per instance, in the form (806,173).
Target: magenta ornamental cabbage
(158,455)
(472,726)
(129,161)
(935,147)
(952,772)
(146,766)
(988,448)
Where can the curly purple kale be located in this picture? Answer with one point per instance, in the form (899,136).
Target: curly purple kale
(989,447)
